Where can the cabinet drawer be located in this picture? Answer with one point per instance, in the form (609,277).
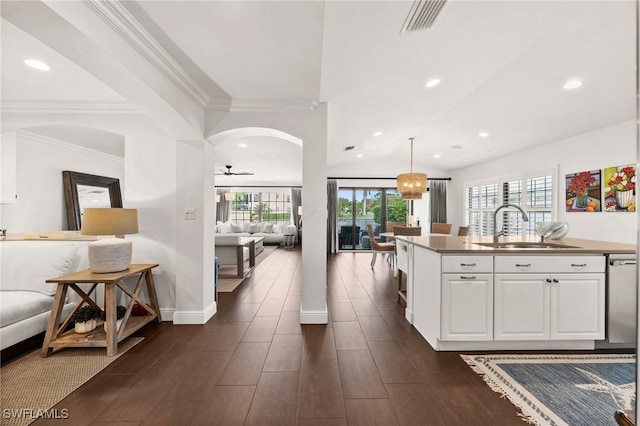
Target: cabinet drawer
(549,264)
(467,264)
(402,260)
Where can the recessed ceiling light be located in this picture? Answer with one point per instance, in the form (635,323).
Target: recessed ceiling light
(483,134)
(242,145)
(378,133)
(360,155)
(433,82)
(572,84)
(436,155)
(456,146)
(36,64)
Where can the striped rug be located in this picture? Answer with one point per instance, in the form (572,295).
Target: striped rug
(562,390)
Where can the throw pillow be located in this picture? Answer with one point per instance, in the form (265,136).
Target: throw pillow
(277,228)
(253,228)
(268,228)
(244,226)
(225,228)
(236,229)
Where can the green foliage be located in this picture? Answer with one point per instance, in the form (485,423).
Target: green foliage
(86,313)
(120,311)
(397,210)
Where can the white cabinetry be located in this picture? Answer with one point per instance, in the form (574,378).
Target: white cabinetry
(549,297)
(467,298)
(8,192)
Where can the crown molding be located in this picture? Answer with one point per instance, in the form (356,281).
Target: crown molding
(67,145)
(265,105)
(71,106)
(118,18)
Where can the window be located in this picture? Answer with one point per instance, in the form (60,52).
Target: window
(534,195)
(263,206)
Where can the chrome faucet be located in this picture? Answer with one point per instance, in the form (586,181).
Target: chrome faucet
(496,233)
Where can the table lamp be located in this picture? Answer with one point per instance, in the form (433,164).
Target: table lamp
(109,254)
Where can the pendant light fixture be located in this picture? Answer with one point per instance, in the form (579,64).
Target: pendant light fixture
(412,185)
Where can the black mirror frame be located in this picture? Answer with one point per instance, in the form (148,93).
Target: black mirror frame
(71,180)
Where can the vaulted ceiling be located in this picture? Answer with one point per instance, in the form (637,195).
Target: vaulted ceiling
(501,65)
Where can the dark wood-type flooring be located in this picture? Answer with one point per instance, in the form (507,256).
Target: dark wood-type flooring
(254,364)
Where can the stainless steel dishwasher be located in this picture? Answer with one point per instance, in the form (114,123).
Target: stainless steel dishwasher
(621,298)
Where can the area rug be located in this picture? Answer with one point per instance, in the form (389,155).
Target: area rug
(562,389)
(31,385)
(227,285)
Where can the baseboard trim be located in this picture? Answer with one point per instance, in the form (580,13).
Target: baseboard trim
(166,314)
(314,317)
(195,317)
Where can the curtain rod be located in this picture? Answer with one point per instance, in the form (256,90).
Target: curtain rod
(381,178)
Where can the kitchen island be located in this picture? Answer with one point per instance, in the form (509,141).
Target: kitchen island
(468,293)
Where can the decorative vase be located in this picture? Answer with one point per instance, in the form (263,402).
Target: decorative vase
(624,198)
(582,200)
(118,322)
(85,327)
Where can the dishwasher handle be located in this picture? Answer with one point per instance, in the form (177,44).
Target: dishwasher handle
(622,262)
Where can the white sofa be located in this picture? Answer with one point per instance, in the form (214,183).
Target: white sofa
(273,233)
(25,298)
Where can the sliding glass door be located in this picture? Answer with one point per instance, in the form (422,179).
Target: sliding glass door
(359,207)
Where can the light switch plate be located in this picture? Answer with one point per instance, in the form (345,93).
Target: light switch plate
(189,213)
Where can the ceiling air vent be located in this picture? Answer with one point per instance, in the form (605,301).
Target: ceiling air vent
(422,15)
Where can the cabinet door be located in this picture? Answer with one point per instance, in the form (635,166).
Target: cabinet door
(577,306)
(521,307)
(467,307)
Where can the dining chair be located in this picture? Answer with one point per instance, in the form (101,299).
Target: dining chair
(388,227)
(440,228)
(403,230)
(463,231)
(378,247)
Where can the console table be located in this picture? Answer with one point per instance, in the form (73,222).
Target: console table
(56,337)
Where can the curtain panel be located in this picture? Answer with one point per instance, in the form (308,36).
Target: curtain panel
(438,199)
(332,216)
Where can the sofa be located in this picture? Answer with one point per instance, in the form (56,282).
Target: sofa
(25,297)
(273,233)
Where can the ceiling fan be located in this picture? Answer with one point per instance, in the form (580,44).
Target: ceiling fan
(228,172)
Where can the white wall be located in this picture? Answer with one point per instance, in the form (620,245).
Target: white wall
(610,146)
(39,164)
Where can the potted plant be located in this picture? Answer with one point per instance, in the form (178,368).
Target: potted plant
(85,318)
(120,311)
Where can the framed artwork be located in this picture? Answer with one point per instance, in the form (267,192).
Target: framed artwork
(620,189)
(583,192)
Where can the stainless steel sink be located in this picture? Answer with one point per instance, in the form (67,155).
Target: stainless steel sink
(525,245)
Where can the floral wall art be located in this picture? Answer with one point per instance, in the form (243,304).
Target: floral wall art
(620,189)
(583,191)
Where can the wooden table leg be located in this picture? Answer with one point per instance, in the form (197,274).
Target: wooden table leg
(252,254)
(54,319)
(240,259)
(151,289)
(110,312)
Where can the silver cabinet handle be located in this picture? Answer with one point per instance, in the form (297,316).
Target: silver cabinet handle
(523,265)
(468,265)
(462,277)
(578,265)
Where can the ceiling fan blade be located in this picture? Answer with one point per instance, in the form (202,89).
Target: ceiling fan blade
(243,173)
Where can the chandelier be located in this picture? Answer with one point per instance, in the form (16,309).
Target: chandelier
(412,185)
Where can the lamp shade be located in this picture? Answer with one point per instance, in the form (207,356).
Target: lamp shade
(412,185)
(228,196)
(109,254)
(299,210)
(106,221)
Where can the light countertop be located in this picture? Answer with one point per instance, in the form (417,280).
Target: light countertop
(465,245)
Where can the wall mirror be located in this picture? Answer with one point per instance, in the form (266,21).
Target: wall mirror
(83,190)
